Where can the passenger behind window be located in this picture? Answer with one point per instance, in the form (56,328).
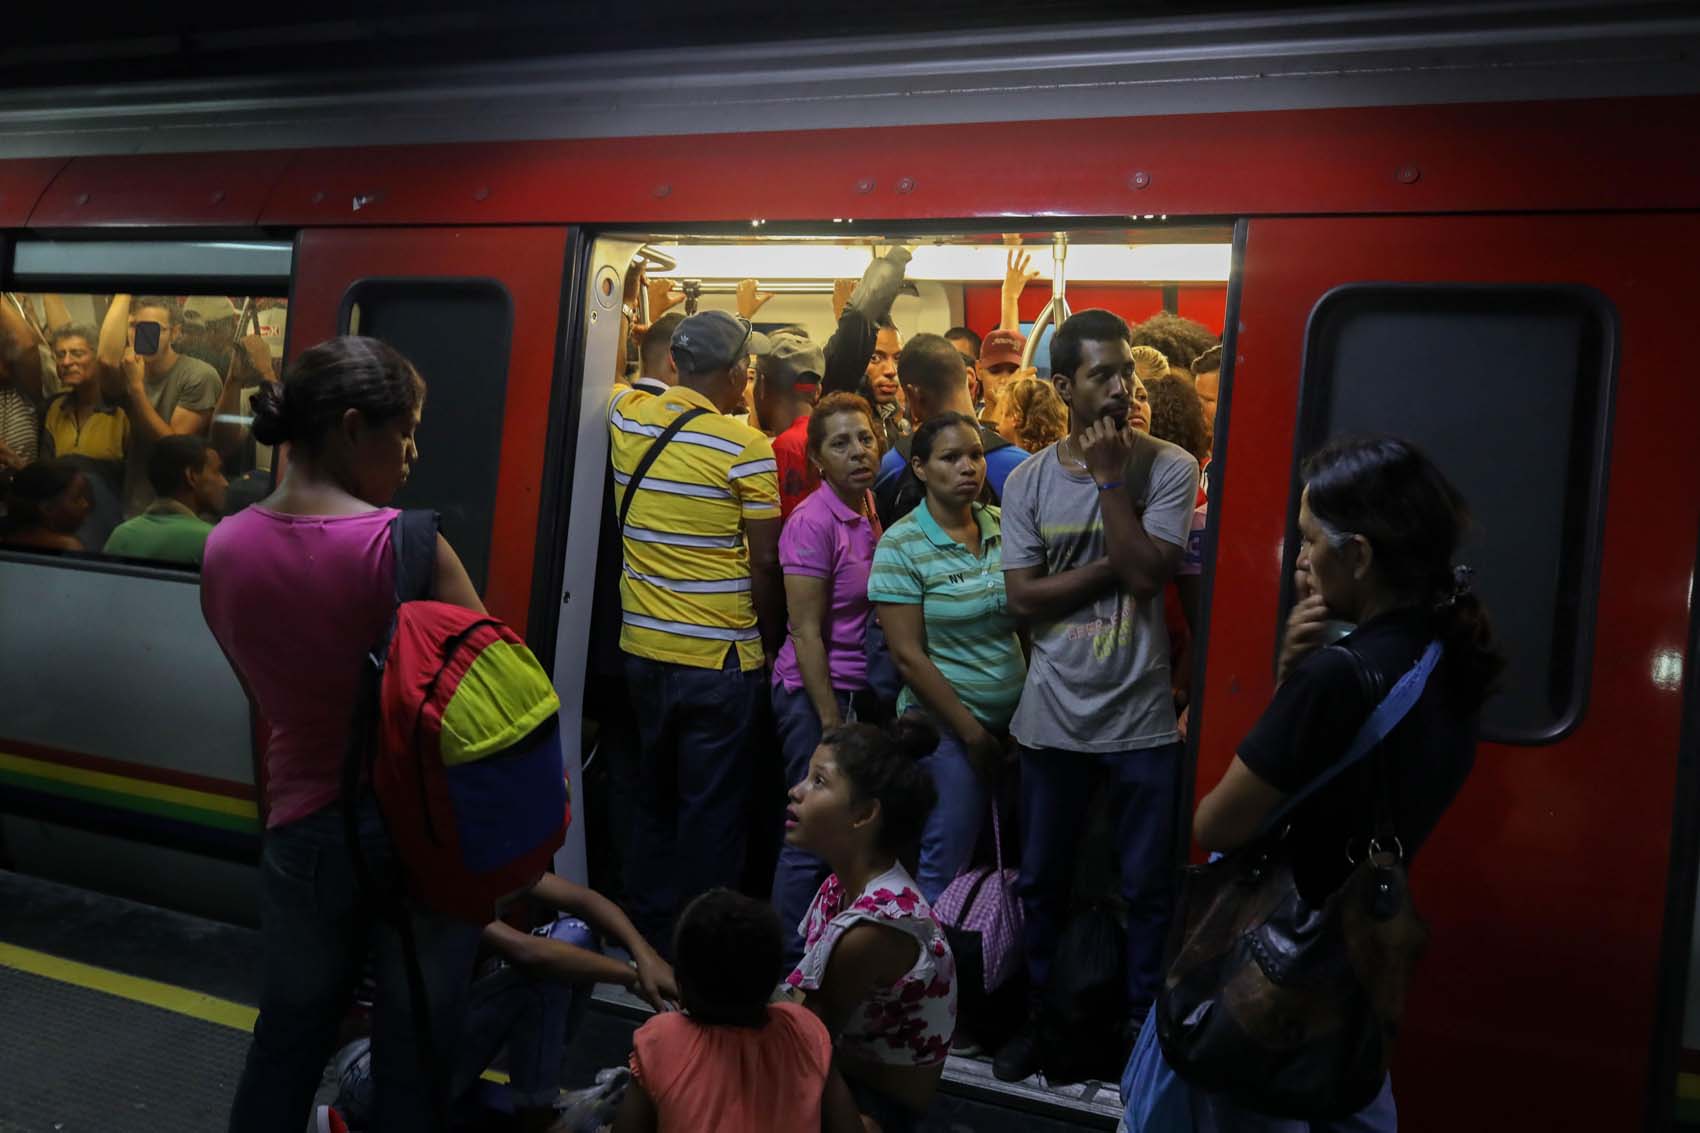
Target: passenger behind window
(1095,528)
(826,551)
(46,505)
(1379,525)
(82,427)
(937,581)
(731,1059)
(188,482)
(209,331)
(163,392)
(20,391)
(252,364)
(1031,414)
(877,968)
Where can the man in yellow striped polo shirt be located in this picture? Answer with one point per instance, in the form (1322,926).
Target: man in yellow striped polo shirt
(702,609)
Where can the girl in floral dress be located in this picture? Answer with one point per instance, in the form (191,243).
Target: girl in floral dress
(876,967)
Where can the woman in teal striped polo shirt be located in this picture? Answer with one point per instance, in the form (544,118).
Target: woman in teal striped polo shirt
(937,581)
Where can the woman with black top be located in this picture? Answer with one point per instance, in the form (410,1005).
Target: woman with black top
(1378,525)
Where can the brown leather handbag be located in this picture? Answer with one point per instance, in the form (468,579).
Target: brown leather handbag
(1287,1009)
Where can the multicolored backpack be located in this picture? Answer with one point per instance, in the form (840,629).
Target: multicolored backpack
(467,765)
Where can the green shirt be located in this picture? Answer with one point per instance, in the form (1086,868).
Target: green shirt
(970,633)
(167,531)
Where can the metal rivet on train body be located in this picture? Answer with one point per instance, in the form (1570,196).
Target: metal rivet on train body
(218,196)
(1139,180)
(663,190)
(906,185)
(361,200)
(482,193)
(82,198)
(319,197)
(1408,175)
(865,185)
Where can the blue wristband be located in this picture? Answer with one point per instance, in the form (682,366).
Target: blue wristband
(1110,487)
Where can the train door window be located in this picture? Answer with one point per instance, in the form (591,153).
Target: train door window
(1509,390)
(457,332)
(200,324)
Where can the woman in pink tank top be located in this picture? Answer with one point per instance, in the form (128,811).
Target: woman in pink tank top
(297,589)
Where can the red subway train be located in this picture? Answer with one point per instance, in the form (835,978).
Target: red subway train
(1503,274)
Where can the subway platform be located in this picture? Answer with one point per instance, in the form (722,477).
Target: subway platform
(119,1017)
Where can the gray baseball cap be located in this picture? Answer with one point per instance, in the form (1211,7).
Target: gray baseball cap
(794,361)
(710,340)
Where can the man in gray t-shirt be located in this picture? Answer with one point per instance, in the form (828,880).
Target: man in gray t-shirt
(163,391)
(1094,528)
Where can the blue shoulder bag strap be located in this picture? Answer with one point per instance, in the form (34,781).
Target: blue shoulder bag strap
(1382,720)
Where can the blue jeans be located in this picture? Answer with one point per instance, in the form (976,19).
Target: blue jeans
(953,827)
(1213,1114)
(532,1017)
(799,874)
(694,774)
(1056,790)
(318,927)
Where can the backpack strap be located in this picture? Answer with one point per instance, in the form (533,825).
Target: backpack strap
(413,541)
(413,544)
(649,456)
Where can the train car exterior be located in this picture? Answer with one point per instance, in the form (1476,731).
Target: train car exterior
(1509,282)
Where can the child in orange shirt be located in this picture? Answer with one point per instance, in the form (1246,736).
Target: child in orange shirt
(731,1061)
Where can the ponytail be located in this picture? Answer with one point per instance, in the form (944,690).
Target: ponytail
(883,764)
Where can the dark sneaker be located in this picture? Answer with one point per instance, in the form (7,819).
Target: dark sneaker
(1019,1057)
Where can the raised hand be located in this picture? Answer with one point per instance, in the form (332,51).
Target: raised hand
(842,289)
(749,299)
(1018,273)
(661,297)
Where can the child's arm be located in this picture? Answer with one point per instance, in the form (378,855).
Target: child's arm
(654,975)
(637,1111)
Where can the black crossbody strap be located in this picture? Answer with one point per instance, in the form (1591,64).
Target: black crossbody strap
(654,450)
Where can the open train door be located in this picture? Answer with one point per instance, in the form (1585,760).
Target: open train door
(479,311)
(1532,357)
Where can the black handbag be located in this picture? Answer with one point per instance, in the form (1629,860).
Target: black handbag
(1288,1009)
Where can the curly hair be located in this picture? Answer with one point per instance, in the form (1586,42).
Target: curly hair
(1180,340)
(1041,418)
(1149,363)
(1177,416)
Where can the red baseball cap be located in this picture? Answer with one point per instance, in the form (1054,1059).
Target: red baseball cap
(1002,347)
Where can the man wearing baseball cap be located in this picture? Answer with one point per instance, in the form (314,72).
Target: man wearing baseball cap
(1000,358)
(787,386)
(209,330)
(702,606)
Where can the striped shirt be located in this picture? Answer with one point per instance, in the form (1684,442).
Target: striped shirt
(19,428)
(970,633)
(685,585)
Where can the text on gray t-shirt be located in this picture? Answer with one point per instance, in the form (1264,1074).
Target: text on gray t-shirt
(1098,678)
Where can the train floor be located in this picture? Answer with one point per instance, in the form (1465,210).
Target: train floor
(118,1017)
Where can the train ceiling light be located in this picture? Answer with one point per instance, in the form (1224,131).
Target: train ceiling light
(948,263)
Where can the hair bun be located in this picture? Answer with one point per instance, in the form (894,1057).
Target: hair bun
(270,407)
(915,736)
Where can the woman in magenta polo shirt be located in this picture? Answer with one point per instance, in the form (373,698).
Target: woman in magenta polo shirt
(825,550)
